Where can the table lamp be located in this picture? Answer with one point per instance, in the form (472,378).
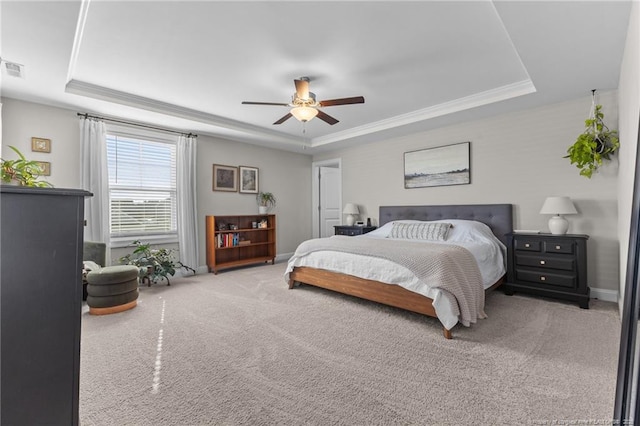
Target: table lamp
(557,206)
(350,210)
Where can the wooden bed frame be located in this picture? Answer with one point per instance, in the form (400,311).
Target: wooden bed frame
(499,217)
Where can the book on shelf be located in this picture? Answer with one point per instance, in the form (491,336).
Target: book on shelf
(227,240)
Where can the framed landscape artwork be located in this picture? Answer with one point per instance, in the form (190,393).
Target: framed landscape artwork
(440,166)
(248,180)
(225,178)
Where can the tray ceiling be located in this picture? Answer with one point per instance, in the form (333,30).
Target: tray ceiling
(419,64)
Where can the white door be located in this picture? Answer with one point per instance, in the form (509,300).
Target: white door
(329,206)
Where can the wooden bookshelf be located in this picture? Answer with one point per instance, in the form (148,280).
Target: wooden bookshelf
(232,241)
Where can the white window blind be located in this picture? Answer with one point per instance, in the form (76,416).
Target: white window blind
(142,187)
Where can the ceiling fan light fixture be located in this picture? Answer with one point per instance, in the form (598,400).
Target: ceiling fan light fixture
(304,113)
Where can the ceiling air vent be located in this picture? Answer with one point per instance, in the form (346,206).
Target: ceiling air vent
(12,69)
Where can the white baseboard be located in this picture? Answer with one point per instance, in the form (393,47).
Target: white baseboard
(204,269)
(185,273)
(283,257)
(604,294)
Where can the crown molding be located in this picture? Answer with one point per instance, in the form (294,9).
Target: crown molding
(479,99)
(94,91)
(498,94)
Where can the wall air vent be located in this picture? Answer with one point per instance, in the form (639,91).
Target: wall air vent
(13,69)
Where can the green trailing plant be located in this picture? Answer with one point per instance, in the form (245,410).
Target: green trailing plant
(266,199)
(595,144)
(153,264)
(24,172)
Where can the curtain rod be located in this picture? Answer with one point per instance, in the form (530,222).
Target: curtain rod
(113,120)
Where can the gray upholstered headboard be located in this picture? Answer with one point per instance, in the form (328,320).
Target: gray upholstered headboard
(499,217)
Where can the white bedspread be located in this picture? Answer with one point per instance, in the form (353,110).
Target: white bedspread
(474,236)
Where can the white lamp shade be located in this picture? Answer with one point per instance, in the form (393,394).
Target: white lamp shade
(350,208)
(558,206)
(304,113)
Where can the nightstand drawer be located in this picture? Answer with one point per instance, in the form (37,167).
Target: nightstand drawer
(347,231)
(558,246)
(542,277)
(566,263)
(527,245)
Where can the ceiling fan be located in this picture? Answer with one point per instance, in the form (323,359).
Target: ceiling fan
(304,105)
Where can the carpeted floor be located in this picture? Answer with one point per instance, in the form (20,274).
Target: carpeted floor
(241,348)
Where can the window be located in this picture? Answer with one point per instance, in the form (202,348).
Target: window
(142,188)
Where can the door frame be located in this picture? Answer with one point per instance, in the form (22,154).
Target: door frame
(315,190)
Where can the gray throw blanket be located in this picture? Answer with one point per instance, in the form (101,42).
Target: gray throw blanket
(448,267)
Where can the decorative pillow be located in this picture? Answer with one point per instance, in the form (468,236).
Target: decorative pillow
(434,231)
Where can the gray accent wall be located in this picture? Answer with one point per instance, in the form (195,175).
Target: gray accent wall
(515,158)
(285,174)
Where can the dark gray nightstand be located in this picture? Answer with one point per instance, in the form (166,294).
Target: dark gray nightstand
(548,265)
(353,230)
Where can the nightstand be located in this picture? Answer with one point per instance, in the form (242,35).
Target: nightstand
(353,230)
(548,265)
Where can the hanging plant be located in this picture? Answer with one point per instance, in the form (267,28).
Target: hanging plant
(595,144)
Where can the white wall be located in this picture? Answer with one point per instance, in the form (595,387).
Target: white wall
(629,106)
(24,120)
(515,158)
(283,173)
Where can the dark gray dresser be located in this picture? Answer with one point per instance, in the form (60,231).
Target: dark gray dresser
(548,265)
(41,304)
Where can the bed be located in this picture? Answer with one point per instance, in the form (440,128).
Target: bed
(359,274)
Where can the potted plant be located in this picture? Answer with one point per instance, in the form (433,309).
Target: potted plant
(266,200)
(153,264)
(21,171)
(595,144)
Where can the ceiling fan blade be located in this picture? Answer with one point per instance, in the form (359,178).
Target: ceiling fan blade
(302,88)
(263,103)
(343,101)
(283,119)
(326,118)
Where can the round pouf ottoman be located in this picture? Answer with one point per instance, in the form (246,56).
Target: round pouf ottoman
(112,289)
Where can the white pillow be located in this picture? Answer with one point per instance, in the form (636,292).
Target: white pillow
(433,231)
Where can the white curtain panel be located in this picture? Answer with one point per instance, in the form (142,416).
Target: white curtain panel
(95,179)
(187,208)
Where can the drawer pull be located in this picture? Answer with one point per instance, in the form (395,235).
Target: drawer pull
(543,278)
(558,247)
(542,262)
(527,245)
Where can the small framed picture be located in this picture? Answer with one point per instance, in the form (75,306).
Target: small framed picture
(225,178)
(40,145)
(46,168)
(248,180)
